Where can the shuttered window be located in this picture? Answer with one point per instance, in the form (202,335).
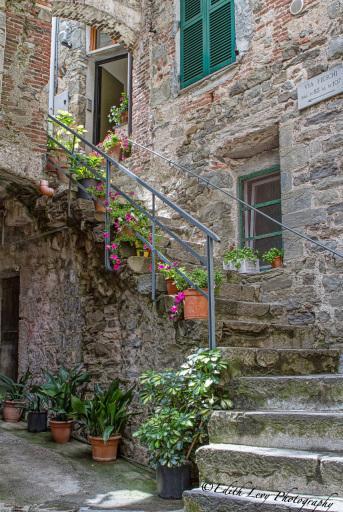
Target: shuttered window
(207,38)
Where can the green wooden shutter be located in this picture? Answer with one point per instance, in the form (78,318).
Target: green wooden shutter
(192,41)
(221,23)
(207,38)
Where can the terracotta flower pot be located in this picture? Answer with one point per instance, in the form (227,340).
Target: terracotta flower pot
(195,305)
(171,287)
(12,410)
(277,262)
(104,452)
(100,206)
(115,152)
(124,117)
(61,431)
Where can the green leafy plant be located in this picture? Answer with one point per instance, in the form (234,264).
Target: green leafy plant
(273,253)
(115,114)
(199,277)
(110,141)
(62,135)
(36,401)
(61,387)
(13,390)
(86,166)
(235,256)
(169,271)
(106,413)
(181,402)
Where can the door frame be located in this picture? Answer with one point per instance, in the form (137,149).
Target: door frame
(97,91)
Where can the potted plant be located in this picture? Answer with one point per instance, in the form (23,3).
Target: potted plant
(98,193)
(180,404)
(274,257)
(59,390)
(58,159)
(119,115)
(104,418)
(15,392)
(195,303)
(112,145)
(37,416)
(244,260)
(170,273)
(87,170)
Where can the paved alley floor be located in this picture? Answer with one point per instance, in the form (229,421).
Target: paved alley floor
(36,472)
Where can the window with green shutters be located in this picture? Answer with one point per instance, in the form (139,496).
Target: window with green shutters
(207,38)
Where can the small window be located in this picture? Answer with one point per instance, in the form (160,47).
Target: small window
(264,193)
(99,39)
(207,38)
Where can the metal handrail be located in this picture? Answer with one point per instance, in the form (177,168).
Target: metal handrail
(211,237)
(235,198)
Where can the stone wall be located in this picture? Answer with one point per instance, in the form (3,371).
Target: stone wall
(24,88)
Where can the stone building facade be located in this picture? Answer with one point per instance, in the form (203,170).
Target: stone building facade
(236,125)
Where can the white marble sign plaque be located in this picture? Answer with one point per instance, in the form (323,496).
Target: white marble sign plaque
(320,87)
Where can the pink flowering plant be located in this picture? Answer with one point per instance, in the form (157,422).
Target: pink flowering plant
(169,271)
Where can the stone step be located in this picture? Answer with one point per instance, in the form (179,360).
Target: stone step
(176,252)
(237,333)
(300,430)
(238,292)
(254,500)
(311,392)
(274,469)
(242,310)
(283,361)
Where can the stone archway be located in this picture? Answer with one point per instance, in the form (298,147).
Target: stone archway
(111,16)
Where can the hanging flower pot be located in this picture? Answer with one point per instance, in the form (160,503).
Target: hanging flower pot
(12,410)
(104,451)
(61,431)
(195,305)
(171,287)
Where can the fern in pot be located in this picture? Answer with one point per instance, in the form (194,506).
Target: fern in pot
(15,397)
(104,418)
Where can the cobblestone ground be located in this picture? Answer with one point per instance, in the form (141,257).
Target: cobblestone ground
(38,475)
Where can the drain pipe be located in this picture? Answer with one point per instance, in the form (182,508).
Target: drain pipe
(53,65)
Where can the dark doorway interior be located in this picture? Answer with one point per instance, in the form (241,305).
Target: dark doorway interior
(10,289)
(111,80)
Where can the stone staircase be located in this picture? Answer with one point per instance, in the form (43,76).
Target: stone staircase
(285,433)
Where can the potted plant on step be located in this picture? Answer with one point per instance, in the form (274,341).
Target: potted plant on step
(180,405)
(37,416)
(104,418)
(112,145)
(195,303)
(87,170)
(15,393)
(170,274)
(59,390)
(119,115)
(274,257)
(244,260)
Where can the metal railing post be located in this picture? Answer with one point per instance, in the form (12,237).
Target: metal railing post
(153,253)
(211,297)
(107,241)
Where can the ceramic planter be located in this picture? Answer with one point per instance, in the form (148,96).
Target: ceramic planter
(104,452)
(277,262)
(171,287)
(100,206)
(115,152)
(172,482)
(12,410)
(37,421)
(61,431)
(247,267)
(195,305)
(86,183)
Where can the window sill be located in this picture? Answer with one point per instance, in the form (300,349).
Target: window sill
(212,81)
